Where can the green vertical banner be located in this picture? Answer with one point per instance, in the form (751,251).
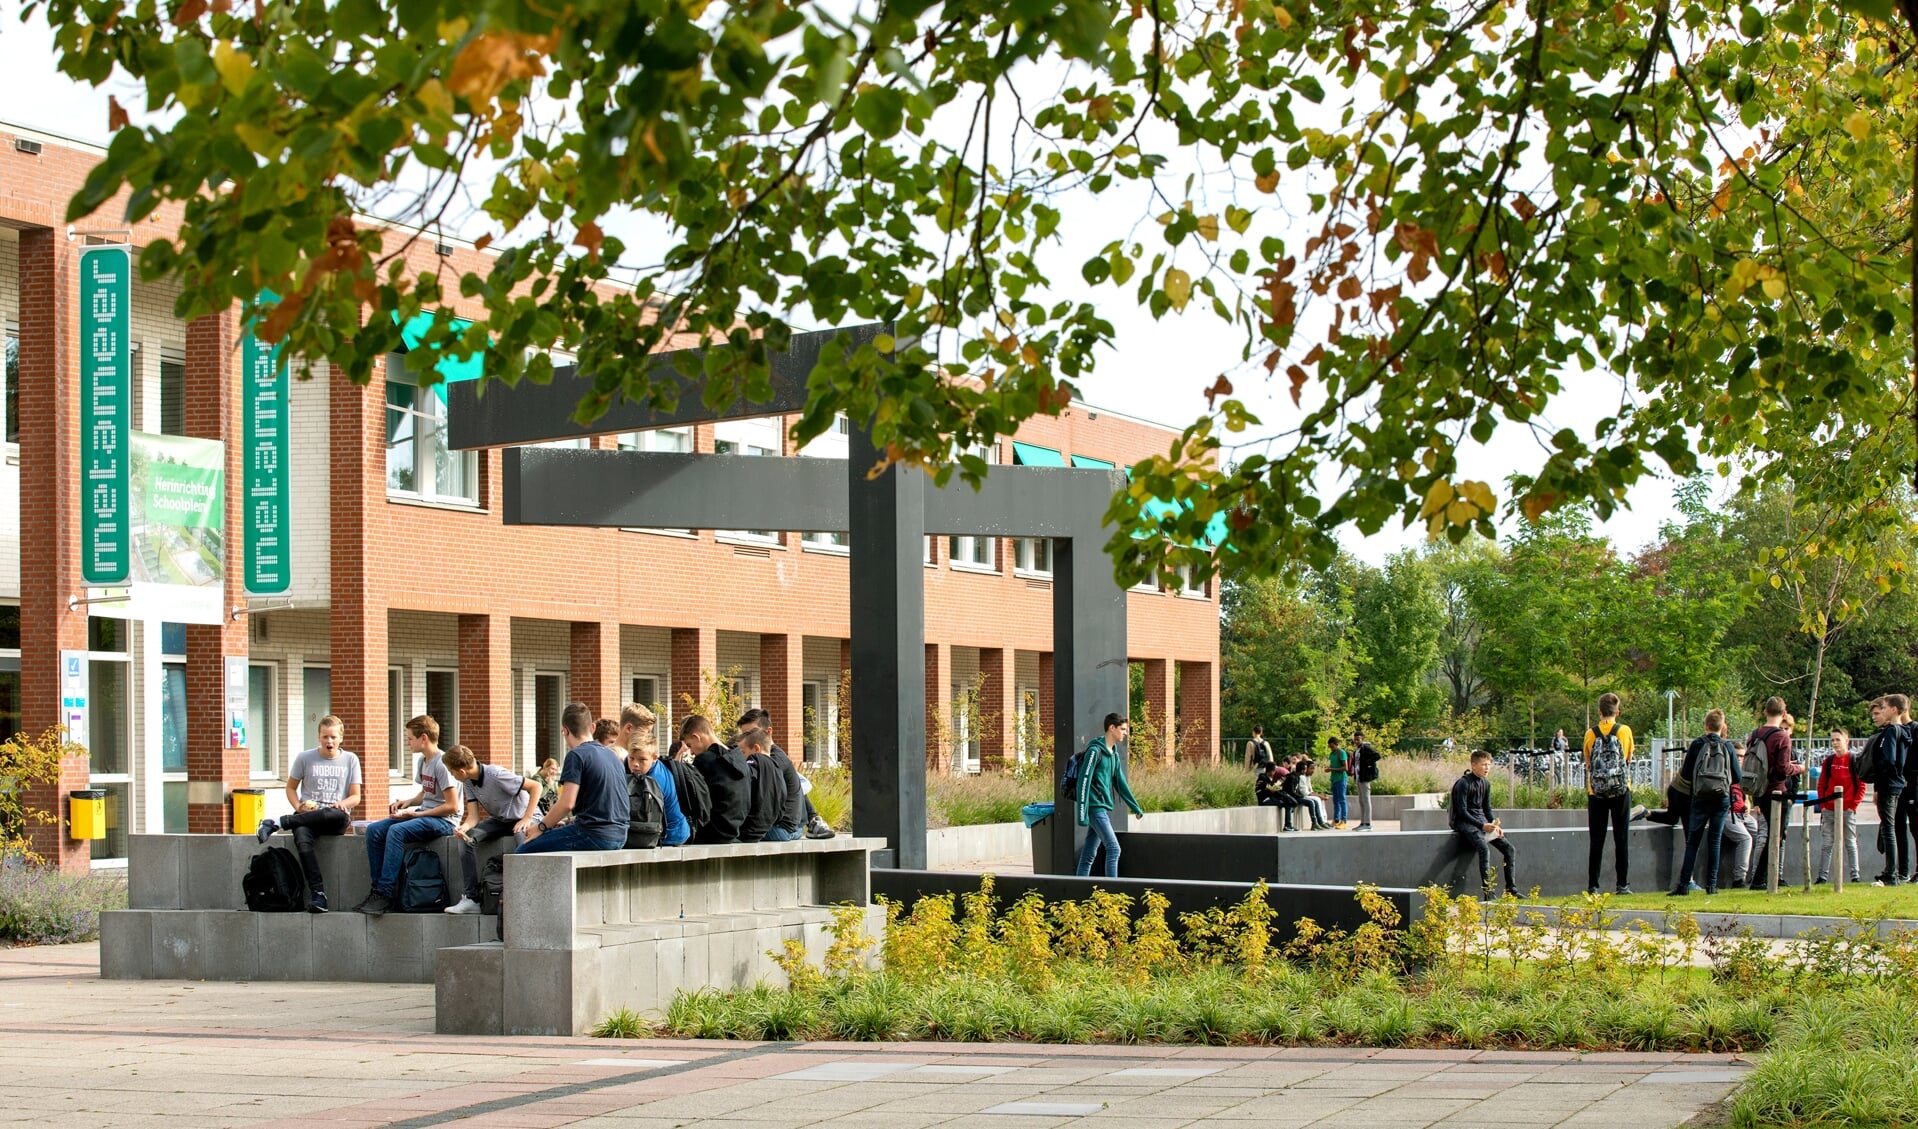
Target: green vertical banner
(106,352)
(265,505)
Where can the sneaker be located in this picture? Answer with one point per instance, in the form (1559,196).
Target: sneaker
(820,829)
(1680,892)
(1623,890)
(375,905)
(1364,827)
(316,903)
(1639,812)
(464,905)
(266,830)
(1696,888)
(1591,891)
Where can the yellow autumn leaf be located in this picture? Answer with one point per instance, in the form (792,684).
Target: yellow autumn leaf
(1479,494)
(1776,582)
(1209,228)
(1282,17)
(432,94)
(1858,125)
(258,138)
(1774,288)
(451,31)
(235,67)
(1178,288)
(1437,497)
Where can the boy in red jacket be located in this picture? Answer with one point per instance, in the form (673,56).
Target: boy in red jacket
(1835,775)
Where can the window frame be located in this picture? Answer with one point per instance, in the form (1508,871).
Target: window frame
(968,561)
(425,441)
(269,730)
(1031,545)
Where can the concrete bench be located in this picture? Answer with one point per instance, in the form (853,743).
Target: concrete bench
(187,917)
(591,932)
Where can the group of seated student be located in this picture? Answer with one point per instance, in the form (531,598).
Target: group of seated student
(1286,784)
(601,797)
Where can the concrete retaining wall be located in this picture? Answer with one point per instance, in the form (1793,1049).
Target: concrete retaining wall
(1771,926)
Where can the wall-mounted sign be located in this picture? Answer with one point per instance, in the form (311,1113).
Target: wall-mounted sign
(236,673)
(106,293)
(73,695)
(265,505)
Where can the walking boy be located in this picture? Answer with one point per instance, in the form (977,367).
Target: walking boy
(1608,750)
(1258,751)
(498,803)
(592,789)
(431,813)
(1473,821)
(323,785)
(1101,780)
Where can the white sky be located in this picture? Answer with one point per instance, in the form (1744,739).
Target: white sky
(1156,370)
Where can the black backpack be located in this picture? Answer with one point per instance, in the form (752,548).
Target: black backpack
(647,823)
(492,885)
(695,799)
(423,883)
(1867,761)
(273,882)
(1712,771)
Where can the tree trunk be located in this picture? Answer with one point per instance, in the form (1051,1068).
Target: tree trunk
(1817,676)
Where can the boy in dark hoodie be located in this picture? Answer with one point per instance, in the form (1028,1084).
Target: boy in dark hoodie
(768,791)
(729,780)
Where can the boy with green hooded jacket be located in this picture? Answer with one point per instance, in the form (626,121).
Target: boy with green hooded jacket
(1101,773)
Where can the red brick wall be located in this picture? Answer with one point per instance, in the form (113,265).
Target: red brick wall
(486,687)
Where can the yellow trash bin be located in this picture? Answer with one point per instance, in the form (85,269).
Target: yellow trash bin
(87,813)
(249,808)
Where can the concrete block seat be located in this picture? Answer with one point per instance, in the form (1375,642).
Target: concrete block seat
(590,932)
(187,917)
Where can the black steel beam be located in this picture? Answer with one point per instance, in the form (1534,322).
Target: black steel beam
(1088,671)
(481,415)
(888,611)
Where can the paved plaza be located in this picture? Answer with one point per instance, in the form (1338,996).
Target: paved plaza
(81,1051)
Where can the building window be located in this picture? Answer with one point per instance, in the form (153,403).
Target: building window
(316,687)
(826,542)
(932,559)
(418,463)
(1032,556)
(831,443)
(1027,736)
(13,384)
(172,395)
(646,693)
(9,670)
(443,704)
(108,723)
(399,762)
(262,738)
(1187,587)
(759,437)
(973,554)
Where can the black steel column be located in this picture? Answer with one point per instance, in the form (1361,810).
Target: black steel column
(1088,672)
(887,529)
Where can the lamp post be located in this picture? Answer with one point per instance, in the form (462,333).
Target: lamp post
(1671,735)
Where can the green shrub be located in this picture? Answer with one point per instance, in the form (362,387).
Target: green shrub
(40,905)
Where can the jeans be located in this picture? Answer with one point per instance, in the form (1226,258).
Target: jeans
(778,834)
(1484,847)
(386,846)
(1832,820)
(573,837)
(485,831)
(1099,834)
(1706,828)
(307,826)
(1904,829)
(1740,829)
(1338,798)
(1617,810)
(1364,788)
(1314,807)
(1765,807)
(1886,801)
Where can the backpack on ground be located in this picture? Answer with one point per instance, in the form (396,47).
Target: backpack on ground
(423,883)
(1756,765)
(1606,772)
(273,882)
(647,822)
(492,885)
(695,798)
(1712,774)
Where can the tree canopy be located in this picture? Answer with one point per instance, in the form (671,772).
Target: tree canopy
(1425,217)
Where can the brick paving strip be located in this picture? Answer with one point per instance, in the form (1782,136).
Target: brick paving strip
(82,1051)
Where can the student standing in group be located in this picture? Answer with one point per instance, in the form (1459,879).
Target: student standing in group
(1608,799)
(1840,816)
(1769,770)
(1710,773)
(1367,774)
(592,790)
(498,803)
(729,782)
(639,737)
(1258,751)
(1473,821)
(1339,762)
(323,785)
(1102,779)
(432,813)
(1903,836)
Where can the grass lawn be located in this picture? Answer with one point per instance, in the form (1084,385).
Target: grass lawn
(1872,901)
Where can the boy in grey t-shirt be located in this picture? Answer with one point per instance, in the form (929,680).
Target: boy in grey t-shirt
(323,786)
(433,812)
(498,803)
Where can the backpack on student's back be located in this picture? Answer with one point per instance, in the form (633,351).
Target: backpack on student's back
(1865,762)
(695,798)
(273,882)
(492,884)
(1756,765)
(1070,785)
(647,823)
(423,883)
(1712,774)
(1606,772)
